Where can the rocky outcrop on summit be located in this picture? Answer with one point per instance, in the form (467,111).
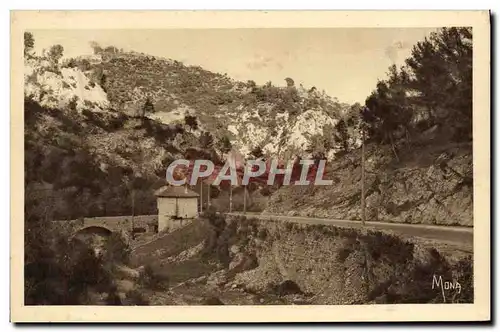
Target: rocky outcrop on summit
(57,87)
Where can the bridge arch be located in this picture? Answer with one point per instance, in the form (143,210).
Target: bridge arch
(94,230)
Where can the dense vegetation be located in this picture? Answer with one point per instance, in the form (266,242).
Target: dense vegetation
(60,269)
(432,89)
(68,172)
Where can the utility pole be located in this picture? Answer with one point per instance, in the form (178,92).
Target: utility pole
(201,196)
(363,200)
(133,203)
(231,198)
(244,199)
(208,195)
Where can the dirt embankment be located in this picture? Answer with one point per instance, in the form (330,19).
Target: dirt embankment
(429,185)
(247,261)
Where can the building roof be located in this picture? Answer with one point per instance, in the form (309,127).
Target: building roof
(175,191)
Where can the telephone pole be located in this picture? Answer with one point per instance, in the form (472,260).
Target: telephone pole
(133,203)
(244,199)
(201,196)
(231,198)
(363,200)
(208,195)
(365,114)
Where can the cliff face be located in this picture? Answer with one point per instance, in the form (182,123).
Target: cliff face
(330,265)
(53,86)
(430,185)
(237,261)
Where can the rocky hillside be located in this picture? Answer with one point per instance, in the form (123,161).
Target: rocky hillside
(279,120)
(53,86)
(429,184)
(88,159)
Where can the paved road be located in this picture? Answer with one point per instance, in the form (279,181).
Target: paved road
(455,237)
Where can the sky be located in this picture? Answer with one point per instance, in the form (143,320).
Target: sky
(345,62)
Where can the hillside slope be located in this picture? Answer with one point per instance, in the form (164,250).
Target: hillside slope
(429,185)
(280,120)
(82,158)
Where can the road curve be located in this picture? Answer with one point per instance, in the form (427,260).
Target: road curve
(458,237)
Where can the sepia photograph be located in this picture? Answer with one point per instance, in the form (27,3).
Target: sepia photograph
(224,168)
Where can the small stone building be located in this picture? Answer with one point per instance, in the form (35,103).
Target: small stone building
(176,207)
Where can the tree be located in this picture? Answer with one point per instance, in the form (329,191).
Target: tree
(84,65)
(224,144)
(98,75)
(111,49)
(257,152)
(383,115)
(206,140)
(58,268)
(96,47)
(289,82)
(441,68)
(55,53)
(148,107)
(317,146)
(251,84)
(70,63)
(341,135)
(434,87)
(191,121)
(29,42)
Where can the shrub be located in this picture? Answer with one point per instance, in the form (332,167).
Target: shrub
(287,287)
(116,249)
(59,271)
(84,65)
(71,63)
(134,297)
(343,254)
(212,300)
(149,278)
(73,103)
(113,298)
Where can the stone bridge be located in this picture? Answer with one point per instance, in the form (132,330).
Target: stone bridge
(117,224)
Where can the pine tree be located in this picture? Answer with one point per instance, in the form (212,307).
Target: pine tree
(29,42)
(55,53)
(433,88)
